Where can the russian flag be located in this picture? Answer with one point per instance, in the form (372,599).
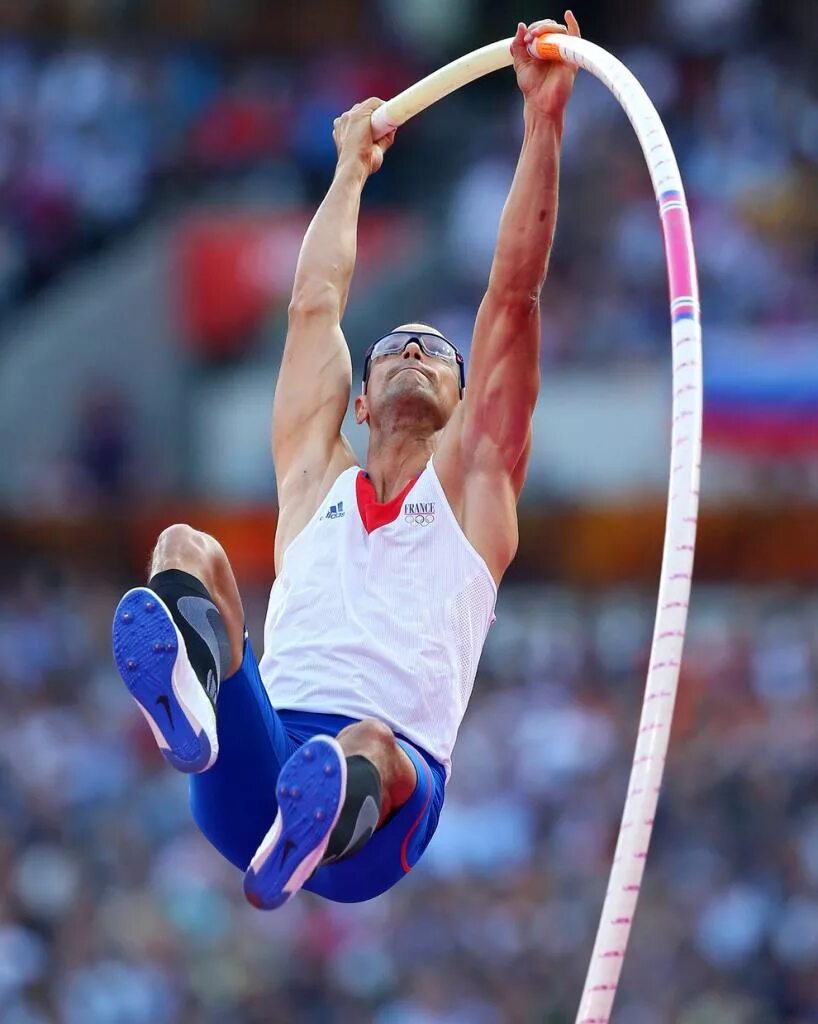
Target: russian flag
(761,390)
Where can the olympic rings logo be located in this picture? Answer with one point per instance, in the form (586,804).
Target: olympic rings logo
(420,520)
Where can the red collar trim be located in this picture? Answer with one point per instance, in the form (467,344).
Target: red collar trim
(376,513)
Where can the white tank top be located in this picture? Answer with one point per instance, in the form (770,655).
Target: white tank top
(380,610)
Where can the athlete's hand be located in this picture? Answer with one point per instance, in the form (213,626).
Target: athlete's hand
(545,84)
(352,135)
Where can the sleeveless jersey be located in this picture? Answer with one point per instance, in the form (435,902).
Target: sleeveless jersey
(381,611)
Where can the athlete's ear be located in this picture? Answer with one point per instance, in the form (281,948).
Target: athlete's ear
(361,409)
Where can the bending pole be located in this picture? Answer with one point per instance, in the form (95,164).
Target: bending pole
(685,460)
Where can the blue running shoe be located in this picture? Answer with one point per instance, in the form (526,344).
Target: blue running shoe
(311,789)
(150,654)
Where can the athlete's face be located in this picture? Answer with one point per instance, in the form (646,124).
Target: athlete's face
(412,385)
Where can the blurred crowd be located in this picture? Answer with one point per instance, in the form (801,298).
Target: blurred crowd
(93,136)
(115,911)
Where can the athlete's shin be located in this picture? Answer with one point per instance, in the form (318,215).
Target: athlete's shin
(200,623)
(361,810)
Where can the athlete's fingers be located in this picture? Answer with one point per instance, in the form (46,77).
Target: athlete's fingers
(573,25)
(368,105)
(542,28)
(386,141)
(518,43)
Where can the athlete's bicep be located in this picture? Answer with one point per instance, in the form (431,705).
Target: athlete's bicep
(312,392)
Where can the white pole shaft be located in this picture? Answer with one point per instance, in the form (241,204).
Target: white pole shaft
(434,87)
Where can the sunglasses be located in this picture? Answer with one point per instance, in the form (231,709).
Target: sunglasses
(432,345)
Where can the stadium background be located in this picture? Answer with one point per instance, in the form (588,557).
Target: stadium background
(158,163)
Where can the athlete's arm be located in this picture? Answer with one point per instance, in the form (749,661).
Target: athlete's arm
(504,378)
(315,378)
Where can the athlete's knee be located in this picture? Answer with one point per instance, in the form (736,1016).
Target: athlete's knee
(374,740)
(370,737)
(182,547)
(180,541)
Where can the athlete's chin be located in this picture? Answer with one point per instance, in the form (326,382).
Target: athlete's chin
(413,399)
(411,386)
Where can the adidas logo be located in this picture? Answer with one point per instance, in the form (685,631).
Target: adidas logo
(335,511)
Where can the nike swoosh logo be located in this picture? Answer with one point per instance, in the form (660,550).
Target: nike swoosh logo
(195,612)
(163,700)
(365,825)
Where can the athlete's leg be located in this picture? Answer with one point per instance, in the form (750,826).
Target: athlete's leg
(234,803)
(395,846)
(176,639)
(199,555)
(195,603)
(374,740)
(379,775)
(332,795)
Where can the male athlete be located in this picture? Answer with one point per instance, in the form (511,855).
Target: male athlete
(324,766)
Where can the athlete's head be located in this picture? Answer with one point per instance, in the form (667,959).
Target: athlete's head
(412,373)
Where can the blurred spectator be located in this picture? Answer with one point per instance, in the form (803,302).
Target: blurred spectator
(102,448)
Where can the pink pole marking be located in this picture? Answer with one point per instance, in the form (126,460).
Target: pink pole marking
(679,252)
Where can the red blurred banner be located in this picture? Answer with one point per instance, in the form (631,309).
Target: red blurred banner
(231,269)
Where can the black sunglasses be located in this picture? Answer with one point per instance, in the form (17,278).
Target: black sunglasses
(433,345)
